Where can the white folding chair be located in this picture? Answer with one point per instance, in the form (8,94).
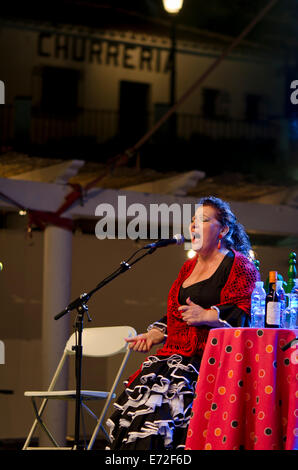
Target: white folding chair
(96,342)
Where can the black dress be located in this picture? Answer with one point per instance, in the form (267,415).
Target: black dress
(153,413)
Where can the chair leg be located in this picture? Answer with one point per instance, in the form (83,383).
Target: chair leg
(96,418)
(108,401)
(43,426)
(105,433)
(35,424)
(44,402)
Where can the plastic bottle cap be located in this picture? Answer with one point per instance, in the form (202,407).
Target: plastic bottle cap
(272,276)
(259,283)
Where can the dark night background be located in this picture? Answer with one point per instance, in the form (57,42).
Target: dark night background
(276,34)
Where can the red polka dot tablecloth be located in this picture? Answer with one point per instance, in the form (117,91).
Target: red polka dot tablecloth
(247,394)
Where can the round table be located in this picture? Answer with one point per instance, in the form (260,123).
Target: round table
(247,394)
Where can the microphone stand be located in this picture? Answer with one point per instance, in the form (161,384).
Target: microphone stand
(80,304)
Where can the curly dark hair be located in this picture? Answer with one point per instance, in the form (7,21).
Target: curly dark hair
(236,237)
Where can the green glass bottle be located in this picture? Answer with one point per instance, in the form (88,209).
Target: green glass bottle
(291,272)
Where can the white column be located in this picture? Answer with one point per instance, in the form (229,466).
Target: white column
(56,296)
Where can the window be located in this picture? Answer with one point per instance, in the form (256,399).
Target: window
(254,107)
(133,109)
(216,103)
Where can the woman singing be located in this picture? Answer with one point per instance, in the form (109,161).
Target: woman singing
(212,290)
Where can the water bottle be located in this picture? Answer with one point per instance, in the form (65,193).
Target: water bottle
(289,316)
(258,297)
(282,298)
(294,305)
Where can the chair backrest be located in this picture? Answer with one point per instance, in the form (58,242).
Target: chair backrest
(102,341)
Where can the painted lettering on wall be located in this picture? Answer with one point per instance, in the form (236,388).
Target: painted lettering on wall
(103,52)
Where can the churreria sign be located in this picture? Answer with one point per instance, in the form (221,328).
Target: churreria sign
(2,92)
(138,221)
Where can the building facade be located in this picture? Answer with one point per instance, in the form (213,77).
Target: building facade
(65,82)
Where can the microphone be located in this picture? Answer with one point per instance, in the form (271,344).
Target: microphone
(178,239)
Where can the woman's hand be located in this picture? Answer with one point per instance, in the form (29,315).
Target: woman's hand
(194,315)
(145,341)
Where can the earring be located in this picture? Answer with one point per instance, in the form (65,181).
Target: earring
(219,242)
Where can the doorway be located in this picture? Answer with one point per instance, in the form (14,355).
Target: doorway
(133,110)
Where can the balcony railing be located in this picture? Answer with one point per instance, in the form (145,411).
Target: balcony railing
(189,125)
(6,124)
(102,125)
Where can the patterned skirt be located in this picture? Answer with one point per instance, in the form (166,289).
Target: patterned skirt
(153,412)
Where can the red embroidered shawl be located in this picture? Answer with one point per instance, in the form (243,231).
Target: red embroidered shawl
(191,340)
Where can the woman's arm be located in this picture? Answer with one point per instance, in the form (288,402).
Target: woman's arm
(160,325)
(145,341)
(233,315)
(195,315)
